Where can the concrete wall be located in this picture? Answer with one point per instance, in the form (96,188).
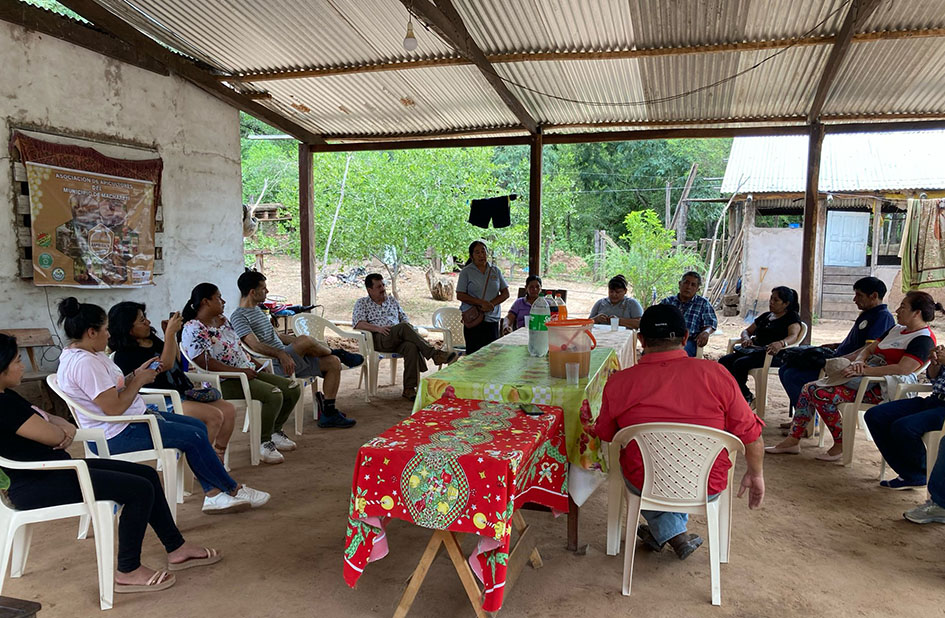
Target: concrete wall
(53,85)
(778,249)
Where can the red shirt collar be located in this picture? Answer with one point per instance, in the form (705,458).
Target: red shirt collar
(656,357)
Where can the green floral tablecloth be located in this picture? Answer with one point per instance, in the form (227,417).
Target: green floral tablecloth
(508,373)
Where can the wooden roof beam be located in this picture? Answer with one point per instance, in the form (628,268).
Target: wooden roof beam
(620,54)
(857,14)
(184,68)
(89,37)
(446,21)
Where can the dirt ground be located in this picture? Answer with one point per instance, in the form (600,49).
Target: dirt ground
(827,542)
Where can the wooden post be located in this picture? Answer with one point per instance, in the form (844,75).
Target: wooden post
(812,230)
(668,219)
(877,233)
(534,207)
(307,224)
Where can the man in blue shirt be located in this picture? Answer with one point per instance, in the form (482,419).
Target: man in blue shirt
(698,313)
(873,321)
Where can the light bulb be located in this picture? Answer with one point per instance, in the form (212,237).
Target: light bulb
(410,41)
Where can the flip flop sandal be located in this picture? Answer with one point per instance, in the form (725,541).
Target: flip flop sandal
(161,580)
(212,557)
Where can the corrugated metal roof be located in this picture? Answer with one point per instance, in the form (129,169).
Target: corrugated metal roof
(901,161)
(242,37)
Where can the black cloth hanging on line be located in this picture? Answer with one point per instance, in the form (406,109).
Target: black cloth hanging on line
(495,209)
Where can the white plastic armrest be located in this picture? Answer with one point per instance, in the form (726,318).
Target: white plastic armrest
(865,384)
(447,336)
(197,377)
(731,344)
(244,382)
(165,392)
(96,436)
(80,467)
(903,389)
(368,339)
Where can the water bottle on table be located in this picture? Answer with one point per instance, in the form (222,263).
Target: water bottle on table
(537,328)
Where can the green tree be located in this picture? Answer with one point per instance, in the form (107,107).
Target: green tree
(648,259)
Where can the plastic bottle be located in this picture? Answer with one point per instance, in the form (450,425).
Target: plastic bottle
(562,308)
(537,329)
(552,306)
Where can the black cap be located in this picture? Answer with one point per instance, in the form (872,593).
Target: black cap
(662,322)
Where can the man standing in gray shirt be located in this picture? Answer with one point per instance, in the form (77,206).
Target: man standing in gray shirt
(302,357)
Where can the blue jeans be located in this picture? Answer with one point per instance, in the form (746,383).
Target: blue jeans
(937,478)
(691,348)
(793,381)
(664,525)
(897,428)
(184,433)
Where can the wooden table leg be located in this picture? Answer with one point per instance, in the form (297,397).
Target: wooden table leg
(573,511)
(419,573)
(463,570)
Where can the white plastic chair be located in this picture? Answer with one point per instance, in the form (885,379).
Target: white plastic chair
(931,439)
(170,461)
(252,421)
(448,321)
(677,459)
(315,326)
(852,414)
(761,374)
(17,531)
(303,383)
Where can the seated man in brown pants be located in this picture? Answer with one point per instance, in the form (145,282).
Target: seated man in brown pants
(382,316)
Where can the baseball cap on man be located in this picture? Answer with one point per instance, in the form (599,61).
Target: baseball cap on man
(662,322)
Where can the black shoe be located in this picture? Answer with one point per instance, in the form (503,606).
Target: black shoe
(649,541)
(335,421)
(349,359)
(684,544)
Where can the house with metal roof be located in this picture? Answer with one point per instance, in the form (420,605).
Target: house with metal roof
(865,180)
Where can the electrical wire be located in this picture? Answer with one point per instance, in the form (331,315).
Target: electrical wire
(680,95)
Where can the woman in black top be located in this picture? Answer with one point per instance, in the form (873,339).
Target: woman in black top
(29,434)
(770,333)
(134,341)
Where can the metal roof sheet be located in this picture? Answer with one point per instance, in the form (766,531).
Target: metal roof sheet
(239,37)
(900,161)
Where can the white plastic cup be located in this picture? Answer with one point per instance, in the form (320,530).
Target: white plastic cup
(572,370)
(614,324)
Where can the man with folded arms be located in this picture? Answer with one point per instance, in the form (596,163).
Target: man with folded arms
(650,392)
(697,311)
(390,328)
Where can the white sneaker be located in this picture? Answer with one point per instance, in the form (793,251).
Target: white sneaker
(225,503)
(269,454)
(255,497)
(282,441)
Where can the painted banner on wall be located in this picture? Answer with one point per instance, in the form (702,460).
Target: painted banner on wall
(90,230)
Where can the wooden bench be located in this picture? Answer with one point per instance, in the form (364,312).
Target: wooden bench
(30,340)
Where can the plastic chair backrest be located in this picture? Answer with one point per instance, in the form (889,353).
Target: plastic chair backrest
(451,318)
(677,459)
(311,325)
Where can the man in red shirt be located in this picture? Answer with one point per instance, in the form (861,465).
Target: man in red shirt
(669,387)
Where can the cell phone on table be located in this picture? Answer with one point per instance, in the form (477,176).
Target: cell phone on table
(531,409)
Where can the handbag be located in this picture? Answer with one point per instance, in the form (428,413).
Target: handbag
(205,394)
(474,316)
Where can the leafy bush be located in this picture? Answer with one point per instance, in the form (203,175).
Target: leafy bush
(648,260)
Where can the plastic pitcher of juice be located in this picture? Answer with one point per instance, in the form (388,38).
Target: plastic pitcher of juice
(570,341)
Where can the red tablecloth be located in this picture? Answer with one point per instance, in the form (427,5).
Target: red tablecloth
(463,465)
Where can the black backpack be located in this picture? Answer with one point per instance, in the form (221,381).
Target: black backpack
(805,357)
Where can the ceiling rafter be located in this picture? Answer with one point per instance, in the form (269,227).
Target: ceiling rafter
(83,35)
(445,20)
(857,14)
(120,29)
(619,54)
